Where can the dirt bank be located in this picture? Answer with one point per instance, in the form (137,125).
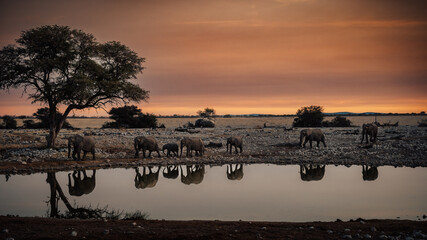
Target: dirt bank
(48,228)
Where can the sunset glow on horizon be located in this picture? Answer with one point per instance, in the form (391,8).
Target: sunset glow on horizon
(250,57)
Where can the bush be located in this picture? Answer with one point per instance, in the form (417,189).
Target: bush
(9,122)
(311,116)
(42,115)
(130,117)
(337,122)
(208,113)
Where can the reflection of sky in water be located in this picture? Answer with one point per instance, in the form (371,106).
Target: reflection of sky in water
(266,192)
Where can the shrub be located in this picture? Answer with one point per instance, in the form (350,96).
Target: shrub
(130,117)
(208,113)
(311,116)
(42,115)
(9,122)
(337,122)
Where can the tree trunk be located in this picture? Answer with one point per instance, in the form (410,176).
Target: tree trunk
(51,137)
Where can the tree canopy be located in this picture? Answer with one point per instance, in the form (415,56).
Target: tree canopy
(130,117)
(208,113)
(311,116)
(58,66)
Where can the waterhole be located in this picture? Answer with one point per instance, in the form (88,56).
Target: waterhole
(261,192)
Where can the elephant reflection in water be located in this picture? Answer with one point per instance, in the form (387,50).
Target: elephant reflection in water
(369,173)
(83,185)
(195,174)
(171,172)
(147,179)
(312,172)
(236,174)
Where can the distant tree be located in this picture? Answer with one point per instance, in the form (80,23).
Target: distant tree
(63,66)
(42,115)
(311,116)
(208,113)
(9,122)
(337,122)
(130,117)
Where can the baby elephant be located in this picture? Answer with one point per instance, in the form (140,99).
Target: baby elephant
(80,143)
(237,142)
(312,135)
(146,143)
(171,147)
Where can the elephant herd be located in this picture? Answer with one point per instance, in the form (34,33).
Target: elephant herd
(79,183)
(150,144)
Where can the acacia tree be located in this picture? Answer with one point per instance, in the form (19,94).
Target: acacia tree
(311,116)
(58,66)
(208,113)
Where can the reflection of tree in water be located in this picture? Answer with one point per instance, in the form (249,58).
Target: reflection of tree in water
(312,172)
(195,174)
(57,194)
(237,173)
(146,179)
(369,173)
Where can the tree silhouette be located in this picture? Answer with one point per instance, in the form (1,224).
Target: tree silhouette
(311,116)
(58,66)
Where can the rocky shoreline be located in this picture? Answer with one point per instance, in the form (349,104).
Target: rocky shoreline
(22,151)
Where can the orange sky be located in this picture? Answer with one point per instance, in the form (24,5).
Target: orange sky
(242,57)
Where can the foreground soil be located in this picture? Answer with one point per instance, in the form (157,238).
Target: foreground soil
(49,228)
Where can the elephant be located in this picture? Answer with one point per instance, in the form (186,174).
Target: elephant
(371,130)
(80,143)
(237,142)
(146,180)
(312,172)
(171,147)
(171,172)
(191,144)
(81,186)
(369,173)
(195,174)
(146,143)
(312,135)
(236,174)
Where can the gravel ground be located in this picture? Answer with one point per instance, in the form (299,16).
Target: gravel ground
(23,150)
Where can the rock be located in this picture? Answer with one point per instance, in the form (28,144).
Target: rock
(373,229)
(346,230)
(347,237)
(106,231)
(74,234)
(330,231)
(367,236)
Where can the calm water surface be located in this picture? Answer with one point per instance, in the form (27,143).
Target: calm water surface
(264,193)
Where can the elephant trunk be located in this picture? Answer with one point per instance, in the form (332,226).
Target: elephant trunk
(182,144)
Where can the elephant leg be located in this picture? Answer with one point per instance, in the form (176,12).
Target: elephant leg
(149,153)
(84,155)
(74,154)
(84,174)
(366,136)
(93,153)
(318,142)
(305,142)
(235,148)
(311,143)
(324,144)
(143,153)
(136,151)
(241,149)
(158,152)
